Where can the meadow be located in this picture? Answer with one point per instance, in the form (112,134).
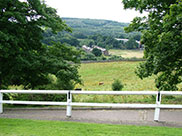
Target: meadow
(22,127)
(127,53)
(94,73)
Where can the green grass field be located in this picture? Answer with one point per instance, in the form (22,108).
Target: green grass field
(21,127)
(94,73)
(127,53)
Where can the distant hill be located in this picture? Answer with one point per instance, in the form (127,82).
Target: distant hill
(102,33)
(96,26)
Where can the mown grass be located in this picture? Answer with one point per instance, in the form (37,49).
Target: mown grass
(127,53)
(21,127)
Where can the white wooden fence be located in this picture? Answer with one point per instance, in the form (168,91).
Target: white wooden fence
(157,106)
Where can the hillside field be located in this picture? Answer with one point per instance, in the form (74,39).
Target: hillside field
(94,73)
(127,53)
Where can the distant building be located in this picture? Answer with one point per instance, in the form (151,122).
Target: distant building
(104,51)
(89,49)
(124,40)
(86,48)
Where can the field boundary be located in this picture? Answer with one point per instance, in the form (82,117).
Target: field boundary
(69,102)
(81,108)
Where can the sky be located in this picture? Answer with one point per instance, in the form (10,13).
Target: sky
(93,9)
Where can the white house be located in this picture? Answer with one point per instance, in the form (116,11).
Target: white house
(89,49)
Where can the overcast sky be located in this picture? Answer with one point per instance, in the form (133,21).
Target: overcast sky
(94,9)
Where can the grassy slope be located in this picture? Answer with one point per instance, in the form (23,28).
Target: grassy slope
(20,127)
(93,73)
(127,53)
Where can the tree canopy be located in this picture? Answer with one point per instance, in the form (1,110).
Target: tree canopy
(97,52)
(24,60)
(88,27)
(162,39)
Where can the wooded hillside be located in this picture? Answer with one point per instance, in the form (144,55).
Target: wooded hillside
(96,26)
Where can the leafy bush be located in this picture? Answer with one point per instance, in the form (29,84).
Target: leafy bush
(114,57)
(88,56)
(117,85)
(54,84)
(97,52)
(41,97)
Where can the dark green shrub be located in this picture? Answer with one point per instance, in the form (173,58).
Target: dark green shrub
(114,57)
(117,85)
(97,52)
(88,56)
(41,97)
(54,84)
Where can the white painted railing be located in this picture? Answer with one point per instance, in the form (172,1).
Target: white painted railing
(157,106)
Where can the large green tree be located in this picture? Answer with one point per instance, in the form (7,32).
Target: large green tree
(162,38)
(97,52)
(131,44)
(24,60)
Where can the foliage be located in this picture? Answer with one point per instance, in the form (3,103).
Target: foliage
(88,56)
(88,42)
(131,44)
(115,58)
(117,85)
(64,38)
(162,38)
(137,37)
(36,97)
(56,128)
(24,60)
(97,52)
(92,32)
(107,42)
(88,27)
(79,35)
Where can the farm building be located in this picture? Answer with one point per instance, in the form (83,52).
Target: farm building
(104,51)
(86,48)
(89,49)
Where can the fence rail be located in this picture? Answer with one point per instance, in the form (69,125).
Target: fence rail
(157,106)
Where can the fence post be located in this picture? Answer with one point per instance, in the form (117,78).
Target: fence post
(69,101)
(157,109)
(1,103)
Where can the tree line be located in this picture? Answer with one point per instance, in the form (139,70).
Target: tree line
(79,39)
